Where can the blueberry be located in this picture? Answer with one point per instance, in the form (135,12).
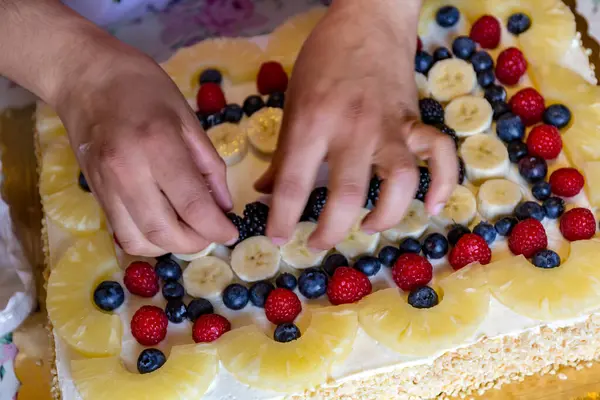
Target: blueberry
(312,283)
(233,113)
(518,23)
(504,226)
(432,112)
(164,257)
(486,231)
(557,115)
(150,360)
(456,232)
(276,100)
(211,75)
(176,311)
(285,333)
(441,53)
(435,246)
(554,207)
(533,168)
(510,127)
(486,78)
(410,245)
(173,290)
(447,16)
(109,295)
(83,183)
(202,119)
(541,190)
(235,296)
(252,104)
(198,307)
(213,120)
(167,269)
(495,93)
(368,265)
(333,262)
(482,61)
(423,62)
(286,281)
(463,47)
(423,297)
(500,108)
(546,259)
(516,150)
(259,292)
(529,209)
(388,256)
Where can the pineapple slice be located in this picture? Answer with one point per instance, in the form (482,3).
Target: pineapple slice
(71,310)
(258,361)
(74,210)
(286,41)
(470,9)
(186,375)
(591,171)
(238,59)
(561,84)
(549,294)
(46,118)
(387,317)
(59,168)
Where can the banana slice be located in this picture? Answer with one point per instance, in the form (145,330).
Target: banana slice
(202,253)
(230,142)
(263,129)
(255,259)
(498,198)
(485,157)
(414,223)
(296,254)
(207,277)
(460,208)
(469,115)
(451,78)
(422,85)
(358,243)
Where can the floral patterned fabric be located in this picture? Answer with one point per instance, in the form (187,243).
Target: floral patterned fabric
(8,381)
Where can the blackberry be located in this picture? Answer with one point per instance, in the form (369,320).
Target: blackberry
(316,204)
(255,218)
(432,112)
(240,225)
(461,171)
(450,132)
(424,182)
(374,189)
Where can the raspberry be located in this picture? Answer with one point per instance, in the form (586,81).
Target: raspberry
(348,286)
(411,271)
(566,182)
(210,99)
(470,248)
(141,279)
(527,238)
(209,327)
(419,44)
(529,105)
(149,325)
(578,224)
(510,66)
(544,141)
(271,78)
(282,306)
(486,31)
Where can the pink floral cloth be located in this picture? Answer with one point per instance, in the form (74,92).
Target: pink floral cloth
(8,381)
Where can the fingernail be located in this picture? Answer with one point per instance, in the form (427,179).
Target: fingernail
(313,250)
(368,231)
(437,208)
(277,241)
(231,242)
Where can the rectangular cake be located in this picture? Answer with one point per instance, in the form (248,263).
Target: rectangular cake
(447,312)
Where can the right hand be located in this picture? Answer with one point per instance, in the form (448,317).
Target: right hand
(144,154)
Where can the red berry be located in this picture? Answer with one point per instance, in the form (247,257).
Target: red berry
(210,98)
(544,141)
(527,238)
(209,327)
(419,44)
(529,105)
(470,248)
(578,224)
(510,66)
(271,78)
(347,285)
(141,279)
(149,325)
(486,31)
(411,271)
(282,306)
(566,182)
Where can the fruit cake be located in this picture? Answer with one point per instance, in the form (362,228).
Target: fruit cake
(501,284)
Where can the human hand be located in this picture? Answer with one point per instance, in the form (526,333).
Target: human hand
(353,102)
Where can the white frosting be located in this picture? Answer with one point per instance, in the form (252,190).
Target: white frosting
(367,357)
